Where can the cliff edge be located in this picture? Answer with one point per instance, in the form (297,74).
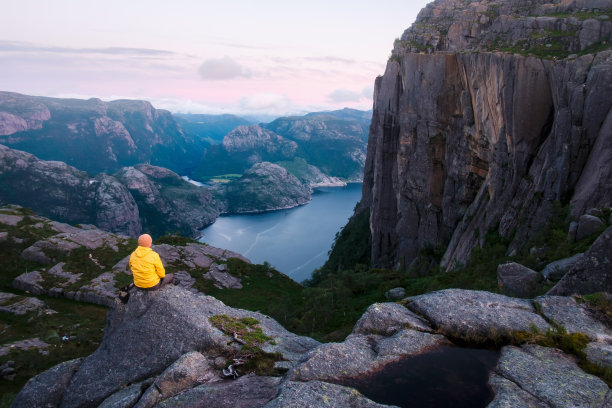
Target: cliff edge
(487,115)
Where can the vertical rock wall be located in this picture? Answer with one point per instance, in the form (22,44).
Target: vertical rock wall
(464,142)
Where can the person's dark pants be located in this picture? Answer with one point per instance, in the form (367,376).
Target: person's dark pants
(169,278)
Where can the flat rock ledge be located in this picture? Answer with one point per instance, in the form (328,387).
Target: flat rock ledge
(534,376)
(476,316)
(359,355)
(575,318)
(320,394)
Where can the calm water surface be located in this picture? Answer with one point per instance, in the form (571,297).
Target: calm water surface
(294,241)
(451,377)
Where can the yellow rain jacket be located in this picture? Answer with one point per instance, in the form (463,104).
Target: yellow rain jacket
(146,267)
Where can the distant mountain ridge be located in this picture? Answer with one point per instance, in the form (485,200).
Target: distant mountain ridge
(211,128)
(96,136)
(334,142)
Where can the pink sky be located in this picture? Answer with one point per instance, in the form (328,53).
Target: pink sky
(266,57)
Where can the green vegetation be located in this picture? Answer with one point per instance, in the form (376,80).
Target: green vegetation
(264,289)
(298,167)
(569,343)
(248,333)
(352,246)
(176,240)
(81,322)
(583,14)
(224,178)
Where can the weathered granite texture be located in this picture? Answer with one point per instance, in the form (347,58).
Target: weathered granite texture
(518,280)
(172,322)
(591,273)
(320,394)
(575,318)
(67,194)
(47,388)
(476,316)
(478,126)
(550,376)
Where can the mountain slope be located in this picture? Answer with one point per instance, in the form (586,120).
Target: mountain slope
(144,197)
(96,136)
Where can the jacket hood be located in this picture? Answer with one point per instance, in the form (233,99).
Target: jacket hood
(142,251)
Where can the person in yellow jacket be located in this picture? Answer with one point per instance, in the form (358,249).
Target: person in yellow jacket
(147,268)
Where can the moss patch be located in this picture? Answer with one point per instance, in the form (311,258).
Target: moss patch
(569,343)
(248,333)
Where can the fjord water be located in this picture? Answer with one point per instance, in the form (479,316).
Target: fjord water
(295,241)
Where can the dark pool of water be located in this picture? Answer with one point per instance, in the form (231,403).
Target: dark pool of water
(450,377)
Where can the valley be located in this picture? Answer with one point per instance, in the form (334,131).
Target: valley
(453,244)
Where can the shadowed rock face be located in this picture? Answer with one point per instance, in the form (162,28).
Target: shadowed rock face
(64,193)
(482,140)
(135,198)
(264,187)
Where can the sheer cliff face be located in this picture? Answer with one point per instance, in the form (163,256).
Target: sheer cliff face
(488,113)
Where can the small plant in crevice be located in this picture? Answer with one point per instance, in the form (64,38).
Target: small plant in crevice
(570,343)
(248,333)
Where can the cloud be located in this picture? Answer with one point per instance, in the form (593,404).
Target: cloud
(345,95)
(223,68)
(265,102)
(13,46)
(368,91)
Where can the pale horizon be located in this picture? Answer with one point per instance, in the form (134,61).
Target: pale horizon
(264,58)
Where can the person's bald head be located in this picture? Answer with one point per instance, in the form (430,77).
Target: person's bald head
(145,240)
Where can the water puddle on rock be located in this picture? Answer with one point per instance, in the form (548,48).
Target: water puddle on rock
(448,377)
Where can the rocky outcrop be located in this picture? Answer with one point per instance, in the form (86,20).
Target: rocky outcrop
(573,317)
(476,316)
(518,280)
(258,141)
(89,265)
(47,388)
(222,279)
(166,202)
(539,377)
(175,323)
(96,136)
(264,187)
(144,196)
(65,193)
(591,273)
(482,120)
(190,350)
(557,269)
(318,394)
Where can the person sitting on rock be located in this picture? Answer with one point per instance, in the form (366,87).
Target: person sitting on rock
(146,265)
